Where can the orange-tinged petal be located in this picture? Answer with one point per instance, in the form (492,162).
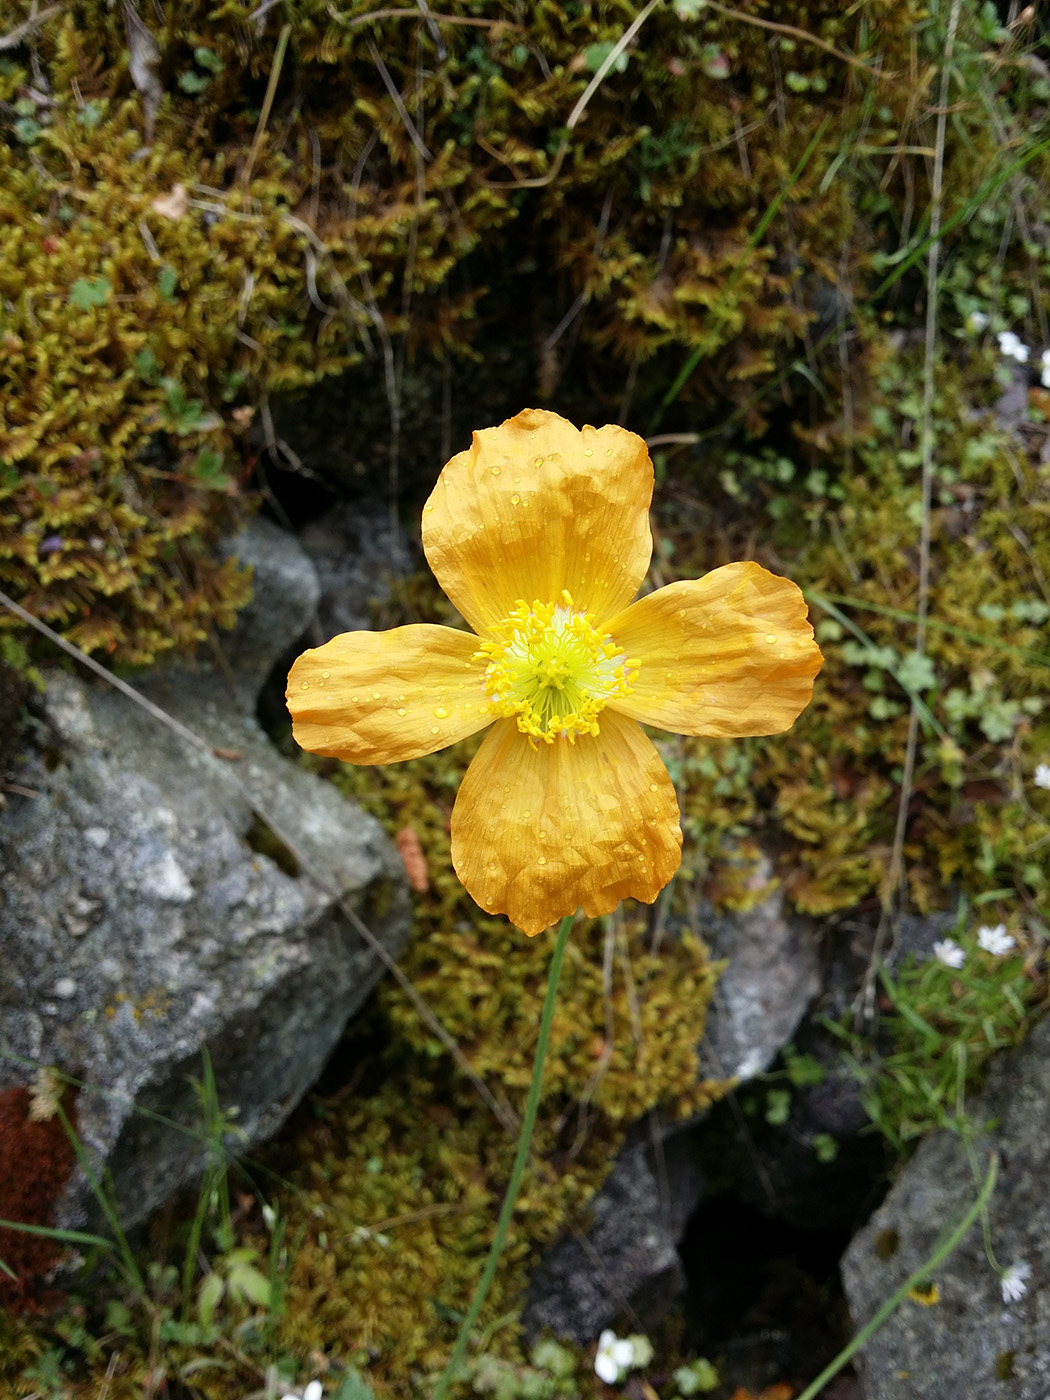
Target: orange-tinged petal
(539,830)
(729,654)
(379,697)
(536,506)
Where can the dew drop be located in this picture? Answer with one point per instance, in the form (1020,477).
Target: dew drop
(543,836)
(306,685)
(608,452)
(354,700)
(434,729)
(401,710)
(495,471)
(771,637)
(542,860)
(653,787)
(517,479)
(587,452)
(440,712)
(490,899)
(515,500)
(538,462)
(325,675)
(526,814)
(376,695)
(492,865)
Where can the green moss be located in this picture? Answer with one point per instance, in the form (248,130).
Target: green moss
(823,798)
(141,326)
(398,1188)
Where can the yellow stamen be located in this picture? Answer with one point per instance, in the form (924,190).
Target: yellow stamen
(550,668)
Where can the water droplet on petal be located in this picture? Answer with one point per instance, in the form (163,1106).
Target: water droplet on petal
(306,685)
(542,860)
(401,710)
(325,675)
(434,729)
(489,899)
(515,500)
(495,471)
(653,787)
(771,637)
(587,452)
(376,695)
(440,712)
(538,462)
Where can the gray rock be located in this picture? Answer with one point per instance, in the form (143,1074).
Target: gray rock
(285,593)
(773,975)
(971,1345)
(628,1261)
(152,908)
(639,1215)
(357,552)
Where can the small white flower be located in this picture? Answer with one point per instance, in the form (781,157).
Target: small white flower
(1013,347)
(976,322)
(1014,1281)
(1042,775)
(949,953)
(1045,369)
(995,939)
(313,1391)
(614,1357)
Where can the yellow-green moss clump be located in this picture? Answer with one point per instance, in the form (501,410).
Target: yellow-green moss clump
(823,798)
(173,255)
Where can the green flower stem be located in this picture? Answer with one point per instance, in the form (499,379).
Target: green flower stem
(528,1122)
(920,1275)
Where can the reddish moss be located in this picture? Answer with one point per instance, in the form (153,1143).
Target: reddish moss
(36,1159)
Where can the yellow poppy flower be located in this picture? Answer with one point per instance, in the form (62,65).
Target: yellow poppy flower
(539,534)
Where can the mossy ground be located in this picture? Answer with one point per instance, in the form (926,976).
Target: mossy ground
(723,248)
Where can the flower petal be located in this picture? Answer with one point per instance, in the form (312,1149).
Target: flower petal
(539,830)
(729,654)
(379,697)
(536,506)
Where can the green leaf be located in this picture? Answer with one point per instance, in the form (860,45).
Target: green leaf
(354,1388)
(145,363)
(167,282)
(207,58)
(90,291)
(193,83)
(28,130)
(248,1283)
(207,468)
(825,1146)
(778,1107)
(915,672)
(594,55)
(209,1296)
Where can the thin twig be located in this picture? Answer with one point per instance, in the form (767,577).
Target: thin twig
(581,106)
(803,35)
(21,32)
(398,101)
(895,875)
(264,115)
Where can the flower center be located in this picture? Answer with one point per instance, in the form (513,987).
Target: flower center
(552,669)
